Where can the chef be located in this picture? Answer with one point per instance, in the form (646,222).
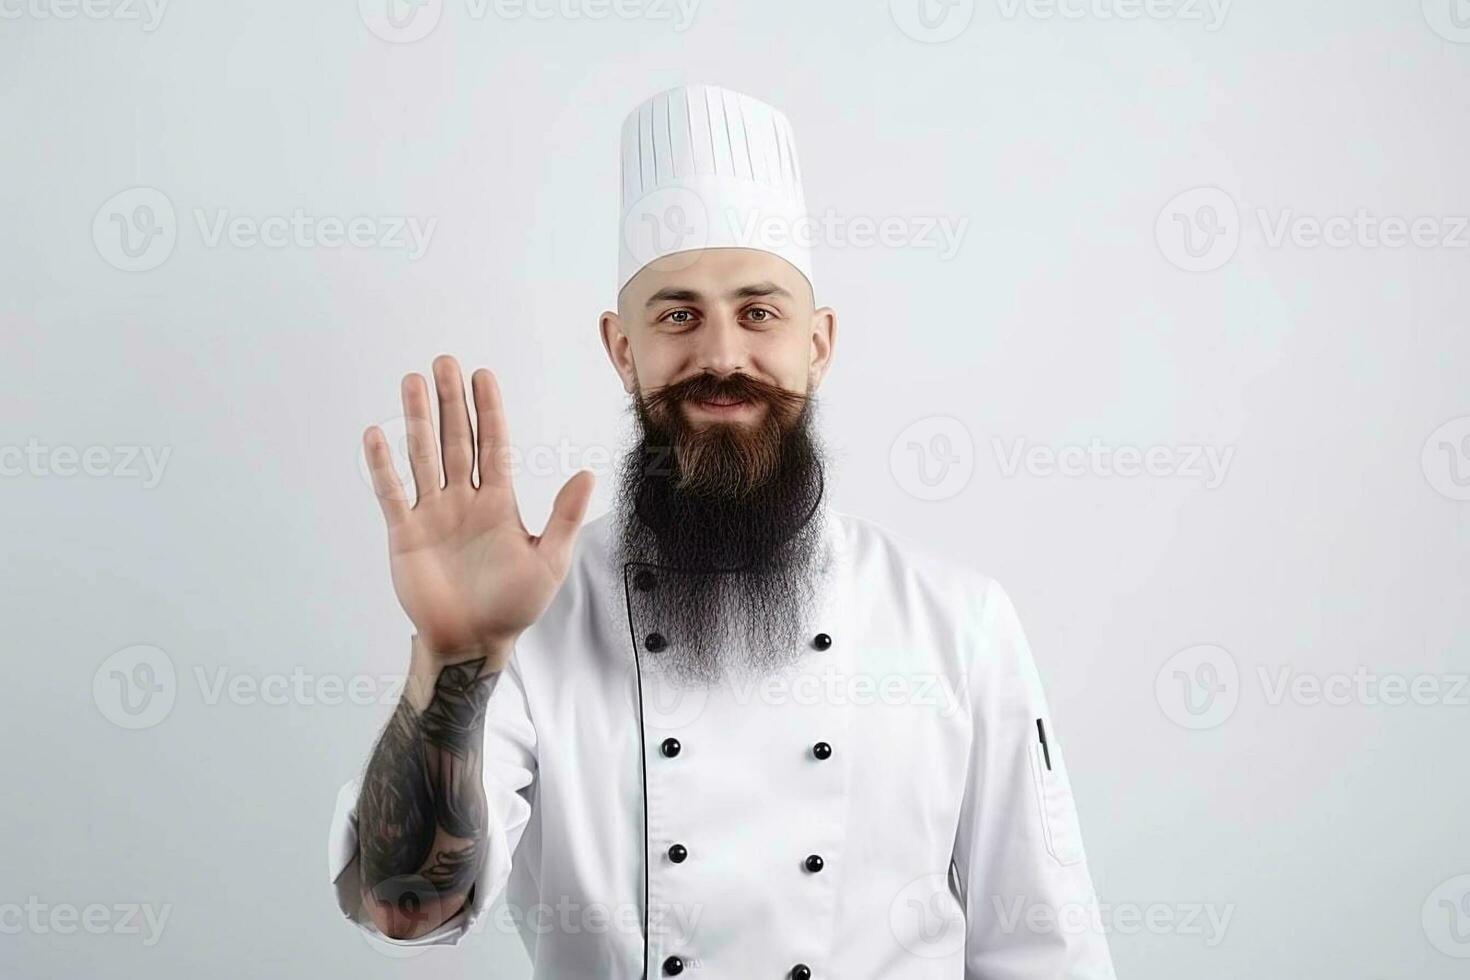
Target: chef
(724,731)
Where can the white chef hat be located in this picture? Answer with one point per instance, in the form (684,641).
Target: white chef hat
(705,167)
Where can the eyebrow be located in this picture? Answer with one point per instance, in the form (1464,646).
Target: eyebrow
(679,294)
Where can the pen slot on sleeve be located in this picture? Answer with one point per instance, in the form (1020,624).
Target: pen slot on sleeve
(1056,811)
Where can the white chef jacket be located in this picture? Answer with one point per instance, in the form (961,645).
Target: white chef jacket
(930,836)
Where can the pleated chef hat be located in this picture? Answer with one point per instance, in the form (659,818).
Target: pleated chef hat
(705,167)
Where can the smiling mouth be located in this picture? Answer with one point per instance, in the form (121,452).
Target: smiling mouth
(721,407)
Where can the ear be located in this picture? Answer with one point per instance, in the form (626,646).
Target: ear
(824,338)
(619,350)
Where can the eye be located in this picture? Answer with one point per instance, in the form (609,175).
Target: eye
(679,318)
(760,314)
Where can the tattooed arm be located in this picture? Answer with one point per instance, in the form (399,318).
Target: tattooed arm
(472,578)
(422,816)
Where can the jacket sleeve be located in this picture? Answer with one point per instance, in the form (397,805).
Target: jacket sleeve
(1030,908)
(509,770)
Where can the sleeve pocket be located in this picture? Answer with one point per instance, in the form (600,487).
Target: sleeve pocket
(1058,813)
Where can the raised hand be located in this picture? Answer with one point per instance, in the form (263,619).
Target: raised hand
(468,573)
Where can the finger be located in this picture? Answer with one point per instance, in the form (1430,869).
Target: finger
(493,434)
(456,440)
(423,456)
(392,498)
(570,506)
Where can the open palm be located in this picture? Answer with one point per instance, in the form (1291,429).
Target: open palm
(465,568)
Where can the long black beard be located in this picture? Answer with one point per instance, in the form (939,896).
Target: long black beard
(738,560)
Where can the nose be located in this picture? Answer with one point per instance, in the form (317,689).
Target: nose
(722,348)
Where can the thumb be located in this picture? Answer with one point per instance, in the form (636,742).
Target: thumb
(567,511)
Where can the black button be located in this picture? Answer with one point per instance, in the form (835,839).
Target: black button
(654,642)
(822,641)
(670,747)
(643,580)
(814,863)
(677,853)
(801,972)
(822,750)
(673,966)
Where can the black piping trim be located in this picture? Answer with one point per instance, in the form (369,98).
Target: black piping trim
(642,756)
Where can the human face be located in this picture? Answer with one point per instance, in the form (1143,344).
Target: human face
(720,311)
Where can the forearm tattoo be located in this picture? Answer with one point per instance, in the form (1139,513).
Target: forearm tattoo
(423,783)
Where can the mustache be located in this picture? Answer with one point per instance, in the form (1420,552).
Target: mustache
(705,387)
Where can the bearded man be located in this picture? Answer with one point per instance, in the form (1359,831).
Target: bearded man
(723,730)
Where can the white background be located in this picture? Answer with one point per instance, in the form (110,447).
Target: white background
(1331,834)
